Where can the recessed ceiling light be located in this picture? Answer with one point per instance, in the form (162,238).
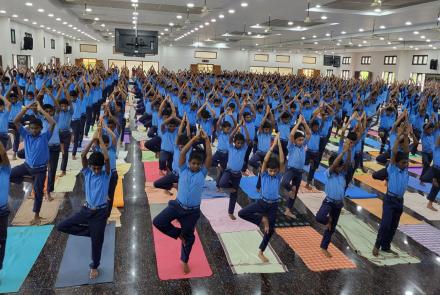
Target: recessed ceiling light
(324,17)
(96,19)
(162,33)
(360,45)
(231,11)
(196,29)
(70,25)
(382,38)
(382,27)
(135,13)
(53,30)
(423,37)
(41,26)
(134,28)
(28,4)
(400,39)
(256,44)
(318,6)
(290,23)
(2,11)
(416,32)
(14,15)
(206,24)
(361,30)
(178,16)
(102,25)
(88,9)
(64,23)
(337,44)
(435,48)
(166,29)
(171,24)
(343,32)
(365,42)
(314,36)
(40,10)
(316,43)
(58,19)
(377,10)
(134,1)
(249,33)
(428,40)
(74,28)
(192,31)
(408,23)
(50,15)
(134,17)
(244,4)
(221,16)
(213,20)
(394,47)
(34,23)
(303,38)
(389,43)
(134,22)
(416,48)
(328,34)
(25,20)
(190,5)
(201,26)
(134,5)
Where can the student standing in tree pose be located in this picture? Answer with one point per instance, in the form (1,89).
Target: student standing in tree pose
(264,211)
(186,207)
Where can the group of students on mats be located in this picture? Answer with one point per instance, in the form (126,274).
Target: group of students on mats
(186,112)
(51,108)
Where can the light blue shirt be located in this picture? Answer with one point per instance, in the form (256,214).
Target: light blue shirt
(223,141)
(4,121)
(96,187)
(264,141)
(5,173)
(191,186)
(397,180)
(36,148)
(236,157)
(270,186)
(436,156)
(335,186)
(168,140)
(296,157)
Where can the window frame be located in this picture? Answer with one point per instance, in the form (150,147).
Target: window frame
(366,60)
(420,60)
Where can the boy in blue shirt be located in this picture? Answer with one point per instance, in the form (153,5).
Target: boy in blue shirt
(36,146)
(230,179)
(5,108)
(264,211)
(5,172)
(434,175)
(91,220)
(54,150)
(169,135)
(328,213)
(186,207)
(397,182)
(76,96)
(64,117)
(312,153)
(264,138)
(295,164)
(16,100)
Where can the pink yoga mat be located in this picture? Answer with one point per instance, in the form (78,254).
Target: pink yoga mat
(127,138)
(151,171)
(216,211)
(424,234)
(416,170)
(373,132)
(168,258)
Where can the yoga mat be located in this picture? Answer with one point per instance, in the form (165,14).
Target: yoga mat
(115,216)
(23,247)
(151,170)
(416,170)
(118,200)
(210,191)
(216,211)
(123,168)
(305,241)
(284,221)
(424,234)
(373,165)
(157,195)
(361,238)
(155,209)
(126,138)
(122,155)
(417,203)
(139,135)
(74,268)
(415,158)
(415,184)
(373,133)
(374,153)
(373,143)
(168,258)
(66,183)
(369,149)
(312,201)
(48,212)
(374,206)
(249,186)
(241,250)
(148,156)
(367,179)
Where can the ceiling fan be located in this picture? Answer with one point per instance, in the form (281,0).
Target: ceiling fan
(205,10)
(307,19)
(87,11)
(187,20)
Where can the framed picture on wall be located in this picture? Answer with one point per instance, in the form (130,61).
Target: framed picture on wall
(13,36)
(22,61)
(52,43)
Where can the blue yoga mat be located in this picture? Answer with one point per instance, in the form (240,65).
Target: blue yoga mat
(249,186)
(23,245)
(373,143)
(210,191)
(415,184)
(74,268)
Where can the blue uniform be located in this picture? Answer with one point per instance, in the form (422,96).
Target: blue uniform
(5,172)
(270,187)
(95,187)
(190,186)
(36,147)
(236,157)
(296,157)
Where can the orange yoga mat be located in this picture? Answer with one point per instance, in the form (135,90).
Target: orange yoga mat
(374,153)
(157,195)
(305,241)
(374,206)
(367,179)
(119,194)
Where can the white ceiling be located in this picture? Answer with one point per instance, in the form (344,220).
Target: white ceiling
(389,24)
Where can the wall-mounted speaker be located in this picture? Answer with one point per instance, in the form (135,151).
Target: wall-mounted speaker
(434,64)
(28,43)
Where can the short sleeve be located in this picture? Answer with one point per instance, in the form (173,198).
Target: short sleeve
(23,132)
(204,171)
(182,167)
(327,173)
(86,171)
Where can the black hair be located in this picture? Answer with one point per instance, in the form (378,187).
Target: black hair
(332,159)
(273,163)
(106,138)
(217,100)
(260,106)
(182,139)
(73,93)
(2,103)
(205,114)
(231,105)
(36,121)
(63,101)
(226,124)
(352,136)
(267,124)
(172,122)
(401,156)
(96,159)
(47,106)
(196,155)
(315,123)
(166,112)
(298,134)
(285,115)
(239,136)
(111,121)
(246,114)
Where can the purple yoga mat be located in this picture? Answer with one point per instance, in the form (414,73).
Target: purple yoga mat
(127,138)
(416,170)
(424,234)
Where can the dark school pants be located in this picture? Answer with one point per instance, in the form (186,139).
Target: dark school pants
(39,176)
(165,160)
(256,159)
(417,134)
(4,138)
(16,142)
(81,128)
(220,158)
(384,157)
(88,223)
(153,144)
(246,158)
(111,190)
(255,211)
(54,155)
(291,180)
(76,128)
(4,214)
(65,137)
(391,211)
(312,158)
(426,161)
(429,176)
(329,209)
(231,179)
(96,107)
(89,119)
(187,219)
(166,182)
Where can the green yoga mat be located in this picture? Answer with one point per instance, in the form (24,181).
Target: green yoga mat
(241,249)
(155,209)
(23,245)
(148,156)
(66,183)
(362,237)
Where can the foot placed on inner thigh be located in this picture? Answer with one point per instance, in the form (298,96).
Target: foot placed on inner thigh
(263,258)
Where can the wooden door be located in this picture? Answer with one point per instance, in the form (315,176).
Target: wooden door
(316,73)
(194,68)
(78,62)
(100,63)
(300,72)
(217,69)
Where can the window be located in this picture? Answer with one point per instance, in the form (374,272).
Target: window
(13,36)
(283,58)
(308,72)
(345,74)
(52,43)
(364,75)
(271,70)
(365,60)
(309,60)
(90,48)
(388,77)
(205,68)
(346,60)
(418,78)
(261,57)
(329,73)
(205,54)
(390,60)
(256,70)
(420,60)
(285,71)
(89,62)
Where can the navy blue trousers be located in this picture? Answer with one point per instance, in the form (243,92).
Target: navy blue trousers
(186,218)
(4,214)
(230,179)
(256,159)
(328,210)
(16,142)
(88,223)
(166,182)
(154,144)
(255,211)
(165,160)
(54,155)
(65,137)
(220,159)
(312,158)
(89,117)
(76,128)
(391,212)
(291,179)
(111,190)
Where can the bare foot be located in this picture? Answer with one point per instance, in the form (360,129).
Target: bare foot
(161,172)
(265,222)
(232,216)
(431,207)
(63,173)
(36,220)
(391,252)
(308,186)
(73,157)
(375,252)
(168,192)
(94,273)
(289,213)
(185,268)
(326,253)
(263,258)
(48,197)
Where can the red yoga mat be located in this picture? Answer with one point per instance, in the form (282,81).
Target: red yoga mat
(168,258)
(151,170)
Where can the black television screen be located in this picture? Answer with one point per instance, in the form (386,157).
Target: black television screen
(336,61)
(332,60)
(136,42)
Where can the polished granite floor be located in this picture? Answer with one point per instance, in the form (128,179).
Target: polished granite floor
(135,266)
